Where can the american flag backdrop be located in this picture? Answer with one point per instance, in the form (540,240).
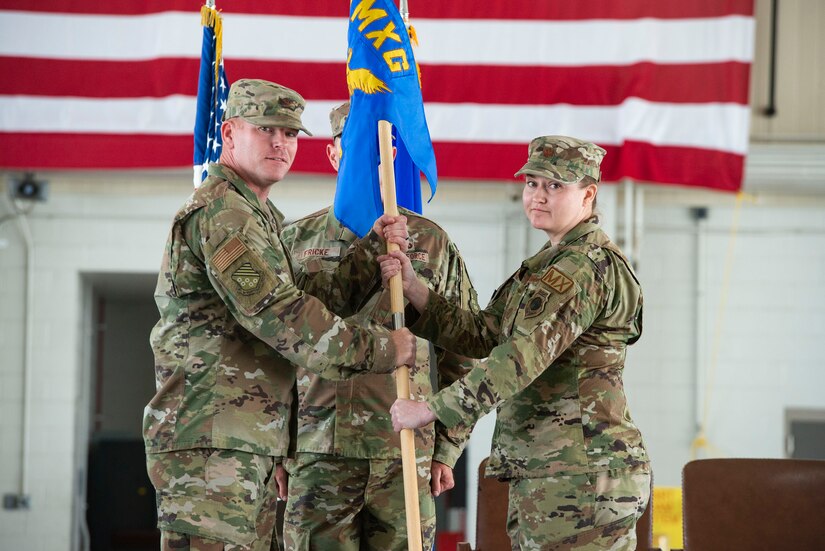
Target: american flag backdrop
(661,84)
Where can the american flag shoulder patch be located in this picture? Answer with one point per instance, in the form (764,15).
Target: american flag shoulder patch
(228,254)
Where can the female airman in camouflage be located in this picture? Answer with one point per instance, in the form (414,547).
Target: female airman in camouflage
(554,338)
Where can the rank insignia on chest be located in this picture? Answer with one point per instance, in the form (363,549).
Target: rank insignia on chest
(557,281)
(535,305)
(247,279)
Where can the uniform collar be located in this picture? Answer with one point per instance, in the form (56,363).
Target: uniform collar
(580,230)
(226,173)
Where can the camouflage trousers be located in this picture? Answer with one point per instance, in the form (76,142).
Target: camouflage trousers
(345,504)
(588,512)
(215,500)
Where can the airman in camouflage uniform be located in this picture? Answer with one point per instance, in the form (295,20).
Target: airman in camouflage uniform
(346,489)
(554,338)
(231,313)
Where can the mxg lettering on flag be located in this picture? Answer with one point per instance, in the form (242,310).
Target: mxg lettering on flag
(384,84)
(663,86)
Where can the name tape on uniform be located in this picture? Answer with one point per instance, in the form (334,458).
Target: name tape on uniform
(320,251)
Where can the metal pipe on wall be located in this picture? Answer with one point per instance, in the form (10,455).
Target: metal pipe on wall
(699,216)
(627,246)
(638,226)
(28,349)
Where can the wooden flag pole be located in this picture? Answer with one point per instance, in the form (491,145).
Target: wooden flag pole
(402,373)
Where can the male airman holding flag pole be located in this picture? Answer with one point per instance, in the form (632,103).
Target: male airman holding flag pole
(231,313)
(346,487)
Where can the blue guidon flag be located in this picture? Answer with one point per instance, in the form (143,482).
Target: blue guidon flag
(212,94)
(384,84)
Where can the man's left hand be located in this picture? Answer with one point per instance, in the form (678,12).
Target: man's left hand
(441,478)
(281,480)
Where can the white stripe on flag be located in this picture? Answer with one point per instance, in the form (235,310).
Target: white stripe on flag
(171,34)
(169,115)
(713,126)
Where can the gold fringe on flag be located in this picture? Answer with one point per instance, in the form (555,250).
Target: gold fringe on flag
(210,17)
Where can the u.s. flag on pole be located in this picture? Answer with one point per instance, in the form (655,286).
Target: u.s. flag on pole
(212,93)
(662,85)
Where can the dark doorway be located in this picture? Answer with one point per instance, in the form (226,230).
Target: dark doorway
(121,513)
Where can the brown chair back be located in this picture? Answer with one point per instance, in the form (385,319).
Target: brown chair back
(644,526)
(491,520)
(753,504)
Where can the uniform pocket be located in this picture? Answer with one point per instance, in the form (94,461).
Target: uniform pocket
(211,493)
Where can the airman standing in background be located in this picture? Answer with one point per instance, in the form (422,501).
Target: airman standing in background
(346,489)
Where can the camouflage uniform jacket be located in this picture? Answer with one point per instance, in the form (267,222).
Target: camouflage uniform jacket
(554,336)
(230,311)
(351,418)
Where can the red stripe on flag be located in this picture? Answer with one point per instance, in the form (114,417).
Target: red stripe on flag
(646,162)
(94,151)
(636,160)
(505,85)
(99,79)
(606,85)
(456,9)
(124,151)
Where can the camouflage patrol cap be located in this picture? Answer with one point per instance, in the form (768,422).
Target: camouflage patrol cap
(337,118)
(265,103)
(567,160)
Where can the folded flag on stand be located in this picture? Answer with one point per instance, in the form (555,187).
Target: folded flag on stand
(212,94)
(384,84)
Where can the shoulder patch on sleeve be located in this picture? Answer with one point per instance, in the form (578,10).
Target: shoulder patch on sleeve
(247,278)
(535,304)
(228,253)
(557,281)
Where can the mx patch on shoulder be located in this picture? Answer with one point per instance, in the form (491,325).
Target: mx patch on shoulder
(557,281)
(247,278)
(228,254)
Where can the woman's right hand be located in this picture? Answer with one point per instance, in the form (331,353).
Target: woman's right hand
(396,262)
